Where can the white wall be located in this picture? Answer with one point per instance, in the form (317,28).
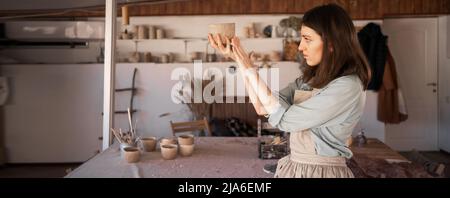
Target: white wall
(369,121)
(444,82)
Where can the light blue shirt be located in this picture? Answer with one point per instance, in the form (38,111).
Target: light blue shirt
(331,113)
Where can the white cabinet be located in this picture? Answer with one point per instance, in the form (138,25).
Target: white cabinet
(53,114)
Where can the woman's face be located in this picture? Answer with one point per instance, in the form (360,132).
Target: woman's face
(311,46)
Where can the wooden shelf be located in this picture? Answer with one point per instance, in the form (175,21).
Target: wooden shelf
(259,62)
(202,39)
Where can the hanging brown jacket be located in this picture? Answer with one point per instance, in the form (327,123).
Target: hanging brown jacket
(388,98)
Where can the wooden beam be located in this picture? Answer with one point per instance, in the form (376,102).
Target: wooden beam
(109,71)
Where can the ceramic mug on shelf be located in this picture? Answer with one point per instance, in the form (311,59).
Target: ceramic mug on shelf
(164,58)
(134,31)
(196,56)
(151,32)
(211,58)
(148,57)
(275,56)
(159,33)
(134,57)
(141,32)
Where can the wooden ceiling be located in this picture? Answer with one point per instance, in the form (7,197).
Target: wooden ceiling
(358,9)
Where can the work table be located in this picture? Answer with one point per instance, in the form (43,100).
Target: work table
(213,157)
(237,157)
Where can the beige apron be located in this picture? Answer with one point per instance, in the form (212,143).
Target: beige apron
(304,162)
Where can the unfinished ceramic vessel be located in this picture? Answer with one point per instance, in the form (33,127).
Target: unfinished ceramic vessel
(186,149)
(167,140)
(186,139)
(225,29)
(148,143)
(131,154)
(169,151)
(123,146)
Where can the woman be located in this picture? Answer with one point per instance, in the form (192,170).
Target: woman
(321,108)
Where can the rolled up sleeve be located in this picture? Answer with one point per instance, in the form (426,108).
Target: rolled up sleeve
(328,104)
(285,98)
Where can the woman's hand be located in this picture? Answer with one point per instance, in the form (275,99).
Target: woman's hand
(223,48)
(232,50)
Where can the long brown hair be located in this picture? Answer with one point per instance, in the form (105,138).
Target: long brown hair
(336,28)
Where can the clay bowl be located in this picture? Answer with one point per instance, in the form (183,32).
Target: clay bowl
(123,146)
(148,143)
(186,149)
(186,139)
(131,154)
(225,29)
(168,140)
(169,151)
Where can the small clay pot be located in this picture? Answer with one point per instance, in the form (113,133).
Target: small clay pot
(135,57)
(167,140)
(151,32)
(165,58)
(186,139)
(159,33)
(196,56)
(142,32)
(225,29)
(211,58)
(123,146)
(148,57)
(148,143)
(275,56)
(169,151)
(131,154)
(186,149)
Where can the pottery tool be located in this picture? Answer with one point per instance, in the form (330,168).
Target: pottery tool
(116,135)
(129,119)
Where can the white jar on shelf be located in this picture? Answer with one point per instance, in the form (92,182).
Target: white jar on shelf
(159,33)
(142,32)
(164,58)
(134,31)
(151,32)
(274,33)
